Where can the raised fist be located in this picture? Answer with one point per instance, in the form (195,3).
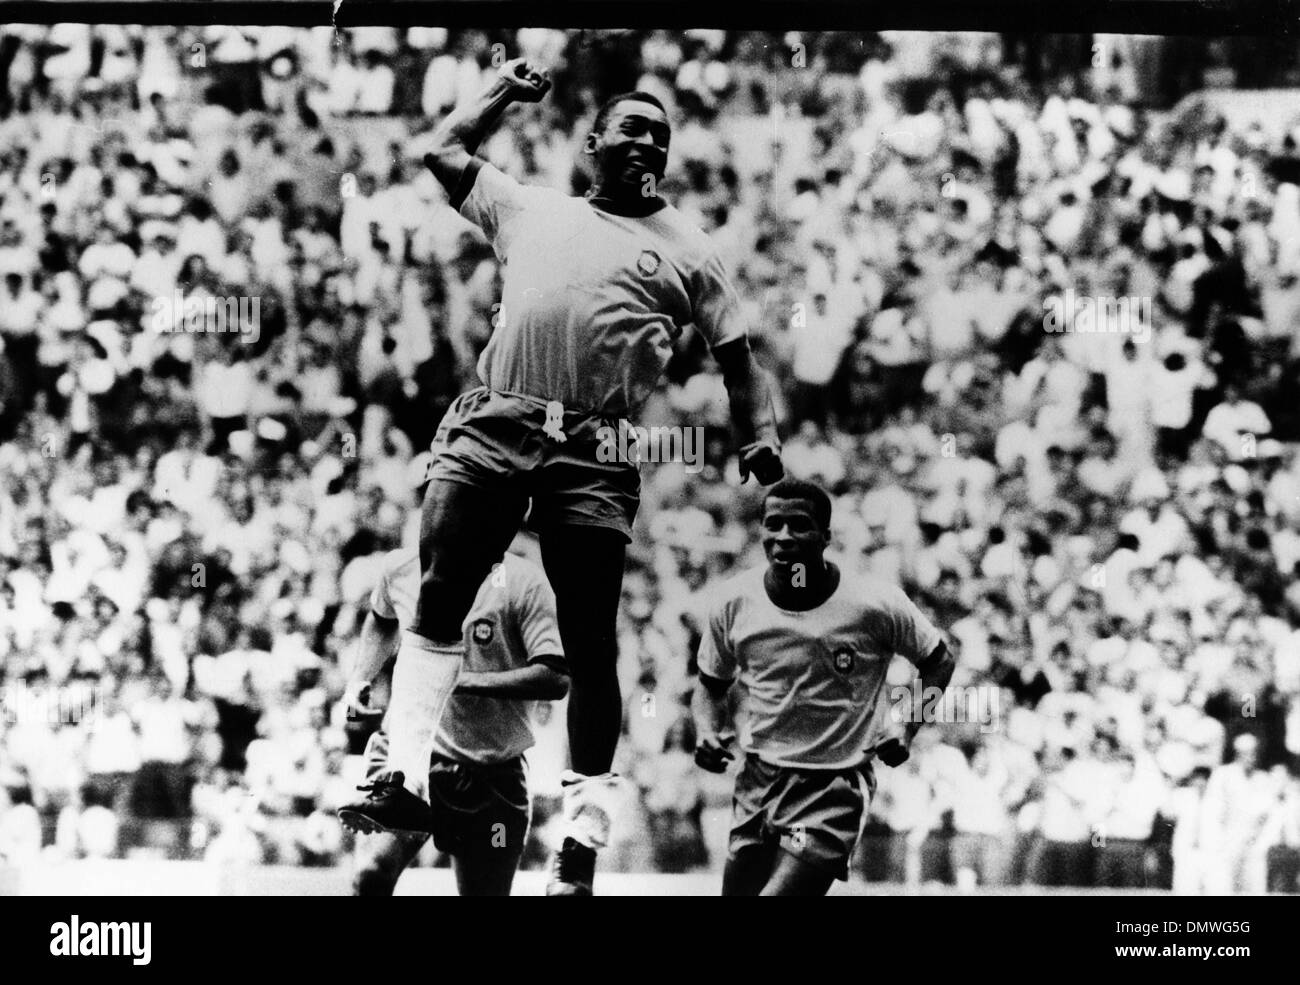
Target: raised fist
(526,83)
(761,459)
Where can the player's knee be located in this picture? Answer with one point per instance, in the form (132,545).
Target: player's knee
(442,608)
(589,644)
(593,670)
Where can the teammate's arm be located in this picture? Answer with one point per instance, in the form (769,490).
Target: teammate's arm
(752,416)
(709,708)
(934,671)
(537,681)
(376,645)
(546,675)
(455,140)
(717,665)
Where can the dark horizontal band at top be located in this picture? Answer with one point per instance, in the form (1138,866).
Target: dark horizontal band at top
(1213,17)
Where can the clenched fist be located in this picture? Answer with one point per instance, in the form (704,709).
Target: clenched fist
(712,754)
(525,82)
(761,459)
(894,751)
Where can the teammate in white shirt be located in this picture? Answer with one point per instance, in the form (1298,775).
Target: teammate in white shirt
(477,782)
(810,644)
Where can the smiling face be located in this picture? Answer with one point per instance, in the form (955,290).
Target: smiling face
(791,534)
(632,143)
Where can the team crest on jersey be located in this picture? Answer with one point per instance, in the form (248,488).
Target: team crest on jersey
(843,661)
(648,262)
(482,632)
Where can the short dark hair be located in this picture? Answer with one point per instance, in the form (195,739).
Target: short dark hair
(640,96)
(809,491)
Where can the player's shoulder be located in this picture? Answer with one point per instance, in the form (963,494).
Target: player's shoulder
(746,584)
(875,593)
(493,181)
(519,575)
(692,243)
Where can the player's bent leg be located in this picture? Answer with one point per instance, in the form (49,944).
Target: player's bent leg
(380,860)
(748,869)
(387,807)
(488,810)
(792,876)
(818,817)
(464,530)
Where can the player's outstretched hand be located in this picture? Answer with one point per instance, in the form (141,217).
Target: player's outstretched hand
(893,751)
(763,461)
(712,754)
(526,82)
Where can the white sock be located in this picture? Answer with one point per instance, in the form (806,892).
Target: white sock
(424,676)
(591,805)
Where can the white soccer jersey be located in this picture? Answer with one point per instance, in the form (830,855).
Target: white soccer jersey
(591,301)
(511,624)
(812,680)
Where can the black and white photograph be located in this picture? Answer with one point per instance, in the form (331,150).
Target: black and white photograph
(686,461)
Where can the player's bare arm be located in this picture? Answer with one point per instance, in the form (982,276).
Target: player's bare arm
(752,415)
(536,682)
(376,645)
(935,672)
(457,137)
(709,707)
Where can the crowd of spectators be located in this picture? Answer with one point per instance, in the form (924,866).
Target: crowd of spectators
(1105,518)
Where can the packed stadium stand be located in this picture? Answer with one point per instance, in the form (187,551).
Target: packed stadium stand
(1102,512)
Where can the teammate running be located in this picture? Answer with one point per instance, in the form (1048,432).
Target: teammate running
(595,291)
(477,785)
(811,646)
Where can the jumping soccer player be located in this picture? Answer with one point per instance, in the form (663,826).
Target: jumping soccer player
(595,291)
(479,794)
(811,646)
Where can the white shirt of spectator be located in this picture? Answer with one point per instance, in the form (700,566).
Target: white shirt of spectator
(1072,802)
(977,802)
(1236,804)
(1227,425)
(820,342)
(225,391)
(1171,392)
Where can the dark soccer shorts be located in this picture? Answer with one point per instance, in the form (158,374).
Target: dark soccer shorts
(488,438)
(815,815)
(476,806)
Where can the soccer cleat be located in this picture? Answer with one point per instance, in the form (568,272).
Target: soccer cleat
(387,807)
(573,869)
